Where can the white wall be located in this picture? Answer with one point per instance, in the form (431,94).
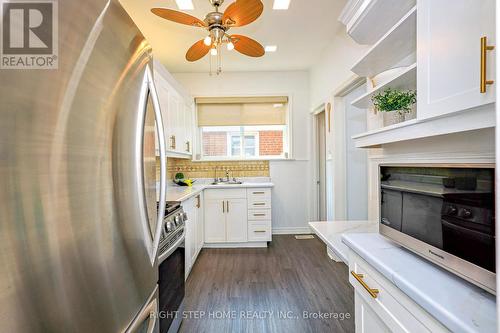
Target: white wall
(334,67)
(293,181)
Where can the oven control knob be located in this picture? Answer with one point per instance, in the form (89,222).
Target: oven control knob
(467,213)
(185,216)
(452,210)
(177,219)
(169,226)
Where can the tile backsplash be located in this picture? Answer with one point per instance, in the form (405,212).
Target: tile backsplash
(236,169)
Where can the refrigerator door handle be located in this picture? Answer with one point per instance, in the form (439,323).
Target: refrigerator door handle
(149,90)
(163,162)
(148,313)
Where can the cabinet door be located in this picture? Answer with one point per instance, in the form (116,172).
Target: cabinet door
(236,220)
(190,225)
(200,237)
(366,320)
(163,91)
(449,43)
(215,221)
(188,128)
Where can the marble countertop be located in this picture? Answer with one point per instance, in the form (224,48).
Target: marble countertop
(457,304)
(330,232)
(182,193)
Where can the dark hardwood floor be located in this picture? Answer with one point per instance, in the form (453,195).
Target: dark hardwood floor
(268,290)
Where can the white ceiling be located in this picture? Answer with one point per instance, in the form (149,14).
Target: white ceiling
(301,33)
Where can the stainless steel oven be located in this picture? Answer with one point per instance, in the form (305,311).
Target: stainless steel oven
(171,260)
(445,214)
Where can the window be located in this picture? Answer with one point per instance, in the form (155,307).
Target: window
(245,128)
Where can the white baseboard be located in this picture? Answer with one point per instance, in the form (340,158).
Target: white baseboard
(292,231)
(233,245)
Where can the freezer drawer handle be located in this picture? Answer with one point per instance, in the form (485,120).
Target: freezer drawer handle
(373,292)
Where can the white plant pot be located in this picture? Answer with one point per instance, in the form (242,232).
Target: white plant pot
(393,117)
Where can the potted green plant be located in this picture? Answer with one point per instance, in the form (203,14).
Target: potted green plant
(396,104)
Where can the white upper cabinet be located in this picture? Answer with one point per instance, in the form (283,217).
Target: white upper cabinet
(449,52)
(177,112)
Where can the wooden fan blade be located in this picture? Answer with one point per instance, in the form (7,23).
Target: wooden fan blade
(242,12)
(179,17)
(247,46)
(197,51)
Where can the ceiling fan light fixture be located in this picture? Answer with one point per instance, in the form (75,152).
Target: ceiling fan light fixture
(207,41)
(213,51)
(230,46)
(271,48)
(185,4)
(281,4)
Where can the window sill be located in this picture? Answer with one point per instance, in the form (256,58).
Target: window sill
(272,159)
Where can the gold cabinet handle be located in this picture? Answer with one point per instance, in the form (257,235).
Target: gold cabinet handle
(223,207)
(259,204)
(259,214)
(188,146)
(484,48)
(258,192)
(198,201)
(227,206)
(373,292)
(260,231)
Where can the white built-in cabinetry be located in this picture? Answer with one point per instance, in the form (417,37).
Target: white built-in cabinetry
(449,55)
(435,47)
(237,216)
(177,109)
(194,225)
(379,306)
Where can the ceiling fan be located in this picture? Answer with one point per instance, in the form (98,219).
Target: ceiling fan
(237,14)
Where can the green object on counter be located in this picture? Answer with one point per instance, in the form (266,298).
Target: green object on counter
(179,175)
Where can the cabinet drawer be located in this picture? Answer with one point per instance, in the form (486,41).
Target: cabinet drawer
(259,231)
(226,193)
(259,193)
(394,308)
(259,203)
(259,215)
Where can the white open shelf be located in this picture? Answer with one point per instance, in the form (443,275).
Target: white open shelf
(367,21)
(406,79)
(468,120)
(396,45)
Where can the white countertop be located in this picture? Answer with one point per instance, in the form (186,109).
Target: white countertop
(457,304)
(182,193)
(331,233)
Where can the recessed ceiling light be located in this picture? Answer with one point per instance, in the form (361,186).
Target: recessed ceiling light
(281,4)
(185,4)
(271,48)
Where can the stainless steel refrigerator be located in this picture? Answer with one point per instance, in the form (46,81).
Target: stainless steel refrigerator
(80,228)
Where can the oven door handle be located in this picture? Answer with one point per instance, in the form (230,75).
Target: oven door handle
(171,249)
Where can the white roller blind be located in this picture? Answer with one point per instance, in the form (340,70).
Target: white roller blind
(244,111)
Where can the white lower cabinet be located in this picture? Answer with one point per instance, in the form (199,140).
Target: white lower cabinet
(194,230)
(238,216)
(381,307)
(236,220)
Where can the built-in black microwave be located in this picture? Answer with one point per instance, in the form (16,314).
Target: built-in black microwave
(445,214)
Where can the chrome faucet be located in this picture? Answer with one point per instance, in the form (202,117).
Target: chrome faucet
(215,175)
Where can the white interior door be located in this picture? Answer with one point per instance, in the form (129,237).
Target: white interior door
(356,160)
(321,164)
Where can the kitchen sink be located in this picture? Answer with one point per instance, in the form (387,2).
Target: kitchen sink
(231,182)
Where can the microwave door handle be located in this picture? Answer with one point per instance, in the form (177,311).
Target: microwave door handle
(163,163)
